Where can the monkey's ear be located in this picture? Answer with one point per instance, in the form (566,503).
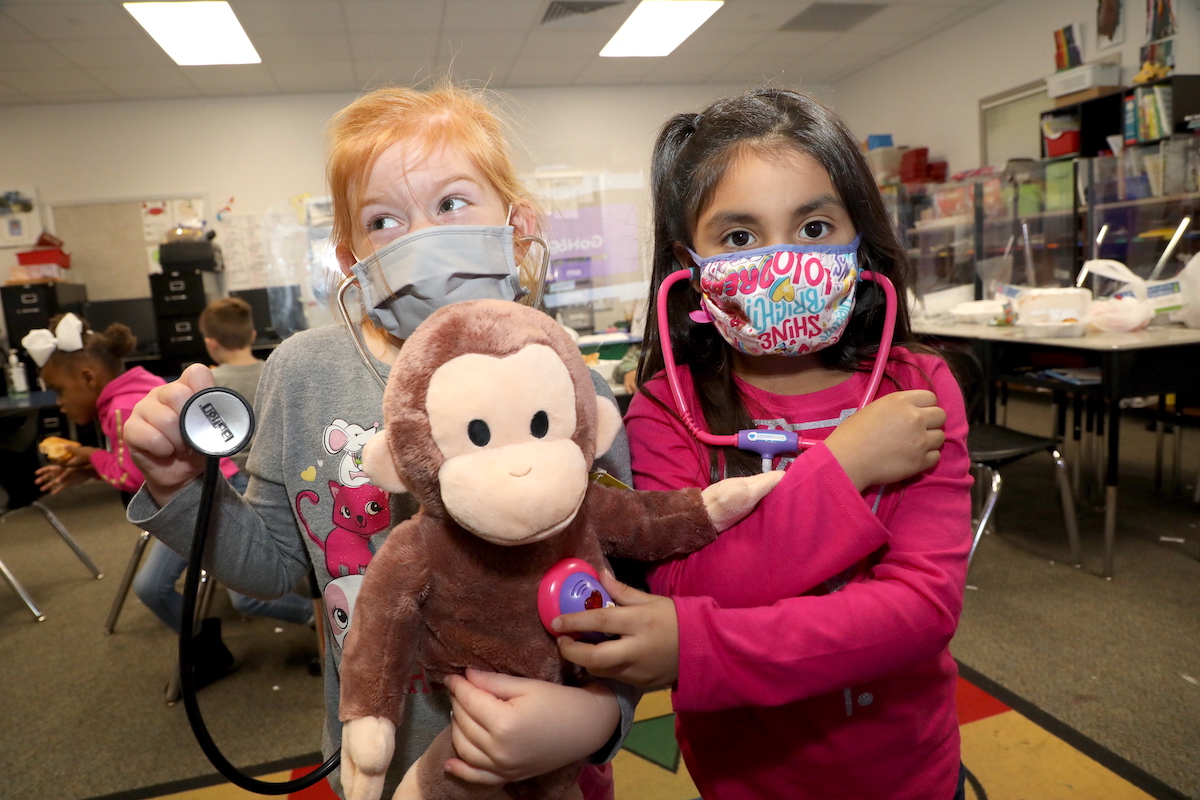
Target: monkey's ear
(377,463)
(608,424)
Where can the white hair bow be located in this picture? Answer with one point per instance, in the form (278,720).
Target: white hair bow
(67,336)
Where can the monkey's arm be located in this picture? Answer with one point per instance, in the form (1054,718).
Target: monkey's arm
(378,660)
(651,526)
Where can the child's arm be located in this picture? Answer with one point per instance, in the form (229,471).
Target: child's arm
(253,547)
(747,637)
(508,729)
(117,467)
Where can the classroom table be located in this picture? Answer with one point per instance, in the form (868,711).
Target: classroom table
(1152,361)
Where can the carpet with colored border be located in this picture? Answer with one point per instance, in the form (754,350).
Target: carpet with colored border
(1012,751)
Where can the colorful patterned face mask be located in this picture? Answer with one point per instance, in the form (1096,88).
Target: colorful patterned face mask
(781,300)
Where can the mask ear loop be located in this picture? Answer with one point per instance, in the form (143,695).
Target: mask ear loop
(355,332)
(540,290)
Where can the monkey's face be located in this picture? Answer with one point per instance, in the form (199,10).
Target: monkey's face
(513,473)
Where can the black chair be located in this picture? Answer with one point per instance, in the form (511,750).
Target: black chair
(992,447)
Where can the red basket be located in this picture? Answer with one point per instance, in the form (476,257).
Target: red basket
(47,255)
(1065,144)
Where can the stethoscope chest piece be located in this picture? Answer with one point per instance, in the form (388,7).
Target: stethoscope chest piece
(216,422)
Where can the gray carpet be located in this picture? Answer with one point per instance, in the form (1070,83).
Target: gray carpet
(82,714)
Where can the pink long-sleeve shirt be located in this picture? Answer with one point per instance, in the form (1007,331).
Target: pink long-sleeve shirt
(113,407)
(813,635)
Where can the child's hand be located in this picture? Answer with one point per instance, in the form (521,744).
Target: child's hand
(53,478)
(80,455)
(152,435)
(892,438)
(646,655)
(507,729)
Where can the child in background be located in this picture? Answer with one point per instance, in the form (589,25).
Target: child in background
(228,331)
(808,645)
(227,325)
(407,169)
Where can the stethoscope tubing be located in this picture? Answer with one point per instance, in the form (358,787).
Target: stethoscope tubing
(731,440)
(191,588)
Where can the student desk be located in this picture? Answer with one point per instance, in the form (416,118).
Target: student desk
(1153,361)
(18,469)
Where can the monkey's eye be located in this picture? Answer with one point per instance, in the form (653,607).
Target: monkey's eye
(479,432)
(345,512)
(539,426)
(374,508)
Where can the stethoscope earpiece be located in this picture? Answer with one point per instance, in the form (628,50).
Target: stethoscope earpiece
(216,422)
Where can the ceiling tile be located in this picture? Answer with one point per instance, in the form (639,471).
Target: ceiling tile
(231,79)
(392,47)
(615,71)
(56,21)
(380,16)
(314,76)
(13,31)
(797,44)
(677,69)
(490,15)
(136,83)
(275,17)
(763,16)
(909,19)
(32,56)
(140,51)
(373,73)
(55,81)
(716,44)
(477,44)
(546,43)
(604,19)
(332,46)
(541,71)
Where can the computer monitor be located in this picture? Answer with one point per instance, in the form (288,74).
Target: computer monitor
(137,313)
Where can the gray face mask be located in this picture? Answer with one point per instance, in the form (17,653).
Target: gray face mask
(417,274)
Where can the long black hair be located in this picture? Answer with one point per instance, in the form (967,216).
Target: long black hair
(691,155)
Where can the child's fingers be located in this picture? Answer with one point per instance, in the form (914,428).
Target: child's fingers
(498,684)
(622,594)
(476,706)
(464,771)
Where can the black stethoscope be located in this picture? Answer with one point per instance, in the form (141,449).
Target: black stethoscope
(216,423)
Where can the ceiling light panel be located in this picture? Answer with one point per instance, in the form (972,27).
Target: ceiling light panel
(201,33)
(657,27)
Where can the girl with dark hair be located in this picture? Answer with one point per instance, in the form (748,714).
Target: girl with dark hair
(808,645)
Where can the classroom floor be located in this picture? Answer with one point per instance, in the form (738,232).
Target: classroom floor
(1008,755)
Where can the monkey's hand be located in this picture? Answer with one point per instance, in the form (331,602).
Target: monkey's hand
(729,500)
(367,745)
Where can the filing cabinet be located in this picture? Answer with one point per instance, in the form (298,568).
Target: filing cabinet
(179,296)
(32,305)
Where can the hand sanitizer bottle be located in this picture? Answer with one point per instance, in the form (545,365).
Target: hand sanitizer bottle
(18,384)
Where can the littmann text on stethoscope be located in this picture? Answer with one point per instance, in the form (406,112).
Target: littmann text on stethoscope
(215,419)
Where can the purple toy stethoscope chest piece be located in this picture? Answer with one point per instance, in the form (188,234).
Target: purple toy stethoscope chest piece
(572,585)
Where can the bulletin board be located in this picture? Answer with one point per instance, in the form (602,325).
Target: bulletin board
(114,245)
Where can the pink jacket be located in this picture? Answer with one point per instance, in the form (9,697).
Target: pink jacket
(813,635)
(113,407)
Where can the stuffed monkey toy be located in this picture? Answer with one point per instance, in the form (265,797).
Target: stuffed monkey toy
(492,423)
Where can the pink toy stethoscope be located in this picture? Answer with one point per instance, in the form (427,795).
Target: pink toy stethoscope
(768,443)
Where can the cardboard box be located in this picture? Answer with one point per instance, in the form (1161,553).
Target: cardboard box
(1087,94)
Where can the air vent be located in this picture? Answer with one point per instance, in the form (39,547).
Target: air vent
(562,9)
(831,16)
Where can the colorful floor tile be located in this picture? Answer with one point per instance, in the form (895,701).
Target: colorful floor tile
(1012,750)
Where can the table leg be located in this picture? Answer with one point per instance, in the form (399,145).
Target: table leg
(1159,433)
(1110,484)
(1077,442)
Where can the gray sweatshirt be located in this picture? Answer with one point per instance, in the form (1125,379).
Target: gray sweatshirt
(310,505)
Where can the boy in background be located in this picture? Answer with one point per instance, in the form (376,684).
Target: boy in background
(227,326)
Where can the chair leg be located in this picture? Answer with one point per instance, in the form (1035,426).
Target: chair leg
(1068,503)
(139,547)
(62,531)
(25,596)
(203,599)
(989,505)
